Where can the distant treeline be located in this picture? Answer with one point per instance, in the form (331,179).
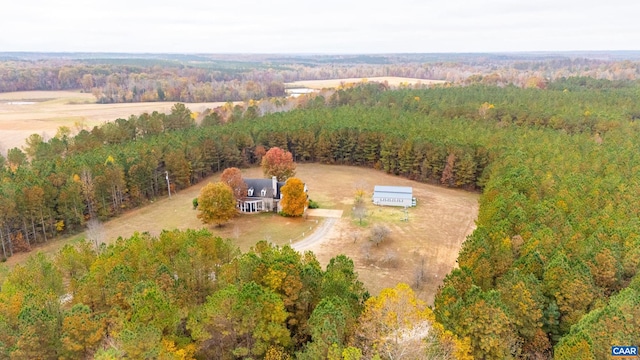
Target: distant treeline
(557,241)
(198,78)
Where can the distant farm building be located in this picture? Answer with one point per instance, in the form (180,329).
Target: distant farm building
(393,196)
(295,92)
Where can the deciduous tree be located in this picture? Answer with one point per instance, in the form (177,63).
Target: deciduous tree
(233,178)
(379,233)
(81,332)
(395,324)
(359,207)
(279,163)
(216,203)
(244,321)
(294,198)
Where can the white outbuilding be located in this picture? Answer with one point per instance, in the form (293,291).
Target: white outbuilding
(393,196)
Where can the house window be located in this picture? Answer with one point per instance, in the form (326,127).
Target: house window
(263,193)
(250,192)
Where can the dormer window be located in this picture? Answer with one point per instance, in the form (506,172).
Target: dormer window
(263,193)
(250,192)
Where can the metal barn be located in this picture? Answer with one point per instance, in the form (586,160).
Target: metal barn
(393,196)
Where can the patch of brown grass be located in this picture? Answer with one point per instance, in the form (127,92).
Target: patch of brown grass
(76,110)
(427,243)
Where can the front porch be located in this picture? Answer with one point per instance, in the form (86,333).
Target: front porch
(250,205)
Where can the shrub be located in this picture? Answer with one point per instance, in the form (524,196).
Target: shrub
(379,233)
(313,204)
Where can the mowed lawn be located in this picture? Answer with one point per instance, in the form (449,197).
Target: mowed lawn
(428,243)
(177,213)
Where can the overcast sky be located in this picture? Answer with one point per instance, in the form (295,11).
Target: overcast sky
(326,26)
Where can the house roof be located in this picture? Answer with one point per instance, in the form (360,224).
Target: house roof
(393,189)
(401,192)
(259,184)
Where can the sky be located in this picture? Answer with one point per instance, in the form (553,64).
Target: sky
(318,27)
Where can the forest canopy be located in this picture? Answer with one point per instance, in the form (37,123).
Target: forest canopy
(552,264)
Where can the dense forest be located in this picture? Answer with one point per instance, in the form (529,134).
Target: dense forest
(186,294)
(551,270)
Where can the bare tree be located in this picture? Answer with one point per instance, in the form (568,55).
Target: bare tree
(419,274)
(355,236)
(95,232)
(379,233)
(447,173)
(366,252)
(359,209)
(390,258)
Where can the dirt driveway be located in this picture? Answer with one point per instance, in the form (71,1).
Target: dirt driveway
(316,238)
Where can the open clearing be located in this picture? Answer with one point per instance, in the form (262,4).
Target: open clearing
(177,213)
(428,242)
(43,112)
(333,83)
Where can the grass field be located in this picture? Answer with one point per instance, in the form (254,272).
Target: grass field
(43,112)
(333,83)
(177,213)
(428,242)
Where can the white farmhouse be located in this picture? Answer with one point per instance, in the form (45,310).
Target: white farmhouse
(262,195)
(393,196)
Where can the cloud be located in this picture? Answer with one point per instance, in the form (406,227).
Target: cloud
(319,27)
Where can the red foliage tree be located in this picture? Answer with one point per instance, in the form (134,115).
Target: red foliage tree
(233,178)
(279,163)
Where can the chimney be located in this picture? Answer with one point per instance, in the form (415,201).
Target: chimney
(274,186)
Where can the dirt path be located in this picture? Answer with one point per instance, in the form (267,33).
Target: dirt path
(316,238)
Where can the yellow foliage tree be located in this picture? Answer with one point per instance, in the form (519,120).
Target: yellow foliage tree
(398,325)
(82,332)
(171,351)
(577,348)
(216,203)
(484,110)
(276,353)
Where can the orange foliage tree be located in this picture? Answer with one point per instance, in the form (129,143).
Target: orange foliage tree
(294,198)
(233,178)
(279,163)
